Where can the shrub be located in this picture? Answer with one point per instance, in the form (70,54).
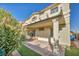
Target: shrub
(8,38)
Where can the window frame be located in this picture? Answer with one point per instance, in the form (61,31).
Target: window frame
(54,10)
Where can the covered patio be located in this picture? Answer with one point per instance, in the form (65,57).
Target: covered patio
(49,27)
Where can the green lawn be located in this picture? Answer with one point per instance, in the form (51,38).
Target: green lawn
(24,51)
(72,52)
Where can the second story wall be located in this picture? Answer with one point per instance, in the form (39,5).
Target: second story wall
(51,11)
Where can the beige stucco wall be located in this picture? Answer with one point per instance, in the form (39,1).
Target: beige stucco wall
(43,15)
(42,33)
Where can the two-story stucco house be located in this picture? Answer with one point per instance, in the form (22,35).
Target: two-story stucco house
(53,21)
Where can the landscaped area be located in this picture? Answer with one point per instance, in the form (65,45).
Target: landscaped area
(24,51)
(72,52)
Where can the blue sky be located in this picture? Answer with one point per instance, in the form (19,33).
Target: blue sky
(22,11)
(74,16)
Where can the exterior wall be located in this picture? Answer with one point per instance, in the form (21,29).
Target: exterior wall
(42,33)
(43,15)
(29,21)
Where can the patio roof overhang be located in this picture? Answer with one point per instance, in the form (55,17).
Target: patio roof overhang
(42,24)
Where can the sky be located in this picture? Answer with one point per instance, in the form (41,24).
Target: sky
(22,11)
(74,17)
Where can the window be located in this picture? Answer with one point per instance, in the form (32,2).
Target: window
(34,18)
(54,10)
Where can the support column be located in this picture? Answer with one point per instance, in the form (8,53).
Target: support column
(66,14)
(67,19)
(55,28)
(56,49)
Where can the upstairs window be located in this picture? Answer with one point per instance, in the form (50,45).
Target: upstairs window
(34,18)
(54,10)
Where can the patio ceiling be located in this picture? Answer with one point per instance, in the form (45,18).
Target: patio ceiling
(47,23)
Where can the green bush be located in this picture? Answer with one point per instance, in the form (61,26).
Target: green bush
(23,38)
(8,38)
(10,32)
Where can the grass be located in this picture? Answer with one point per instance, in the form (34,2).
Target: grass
(72,52)
(24,51)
